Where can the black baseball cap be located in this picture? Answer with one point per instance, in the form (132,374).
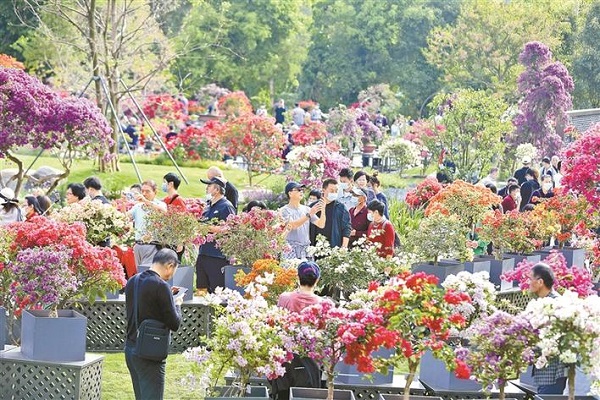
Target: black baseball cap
(216,180)
(293,185)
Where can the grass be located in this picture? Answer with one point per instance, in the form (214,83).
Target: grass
(126,176)
(116,382)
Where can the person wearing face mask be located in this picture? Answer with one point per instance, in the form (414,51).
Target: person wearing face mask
(345,189)
(512,201)
(32,208)
(545,192)
(361,180)
(531,185)
(336,226)
(170,185)
(380,229)
(358,216)
(210,262)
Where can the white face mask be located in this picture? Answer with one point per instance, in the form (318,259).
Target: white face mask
(208,197)
(332,196)
(370,216)
(343,185)
(547,186)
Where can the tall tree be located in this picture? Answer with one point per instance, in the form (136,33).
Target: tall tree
(481,49)
(79,39)
(253,45)
(586,63)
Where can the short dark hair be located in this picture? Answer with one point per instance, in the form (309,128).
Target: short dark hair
(33,201)
(77,189)
(492,188)
(45,203)
(374,179)
(493,169)
(172,177)
(512,188)
(136,186)
(358,174)
(316,193)
(92,182)
(254,203)
(512,179)
(346,173)
(165,256)
(329,181)
(544,272)
(376,205)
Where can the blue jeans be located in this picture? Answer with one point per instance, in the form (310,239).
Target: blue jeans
(147,376)
(557,388)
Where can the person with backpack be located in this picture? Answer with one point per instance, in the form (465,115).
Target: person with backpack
(301,371)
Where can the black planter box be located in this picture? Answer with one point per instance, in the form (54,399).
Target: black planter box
(442,270)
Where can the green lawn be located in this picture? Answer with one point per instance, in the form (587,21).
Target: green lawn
(126,176)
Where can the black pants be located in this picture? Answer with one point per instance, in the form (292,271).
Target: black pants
(209,274)
(147,376)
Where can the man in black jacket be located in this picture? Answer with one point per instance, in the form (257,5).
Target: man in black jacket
(231,192)
(155,301)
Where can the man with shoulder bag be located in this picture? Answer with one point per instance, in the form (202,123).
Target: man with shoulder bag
(152,313)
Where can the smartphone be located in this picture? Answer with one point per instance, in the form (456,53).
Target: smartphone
(130,196)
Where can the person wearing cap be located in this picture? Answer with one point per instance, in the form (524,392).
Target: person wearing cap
(10,211)
(358,216)
(520,173)
(308,277)
(210,262)
(144,248)
(231,192)
(336,226)
(298,219)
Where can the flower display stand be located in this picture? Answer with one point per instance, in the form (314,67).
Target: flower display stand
(442,270)
(534,258)
(228,392)
(572,255)
(313,393)
(434,374)
(349,374)
(229,272)
(493,267)
(184,277)
(60,339)
(22,378)
(387,396)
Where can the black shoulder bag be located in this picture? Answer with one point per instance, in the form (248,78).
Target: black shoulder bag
(153,337)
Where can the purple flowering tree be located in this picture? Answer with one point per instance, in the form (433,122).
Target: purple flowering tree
(545,88)
(32,114)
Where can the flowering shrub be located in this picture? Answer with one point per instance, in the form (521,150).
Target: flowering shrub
(246,335)
(163,106)
(311,164)
(580,166)
(569,330)
(425,133)
(348,270)
(196,143)
(234,104)
(195,207)
(403,152)
(439,235)
(275,277)
(7,61)
(353,124)
(208,93)
(417,316)
(569,212)
(467,201)
(175,227)
(252,236)
(576,279)
(419,197)
(102,221)
(503,346)
(479,288)
(545,87)
(508,232)
(309,133)
(526,150)
(257,140)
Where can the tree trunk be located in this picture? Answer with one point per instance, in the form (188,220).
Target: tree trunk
(571,381)
(19,172)
(412,370)
(330,375)
(501,388)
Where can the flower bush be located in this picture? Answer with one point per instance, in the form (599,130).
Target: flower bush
(163,106)
(467,201)
(508,232)
(251,236)
(417,316)
(575,279)
(404,153)
(420,196)
(479,288)
(174,227)
(272,274)
(570,212)
(580,166)
(502,347)
(439,235)
(234,104)
(349,270)
(7,61)
(247,336)
(309,133)
(199,143)
(102,221)
(310,165)
(569,331)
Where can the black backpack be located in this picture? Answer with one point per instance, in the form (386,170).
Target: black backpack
(300,372)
